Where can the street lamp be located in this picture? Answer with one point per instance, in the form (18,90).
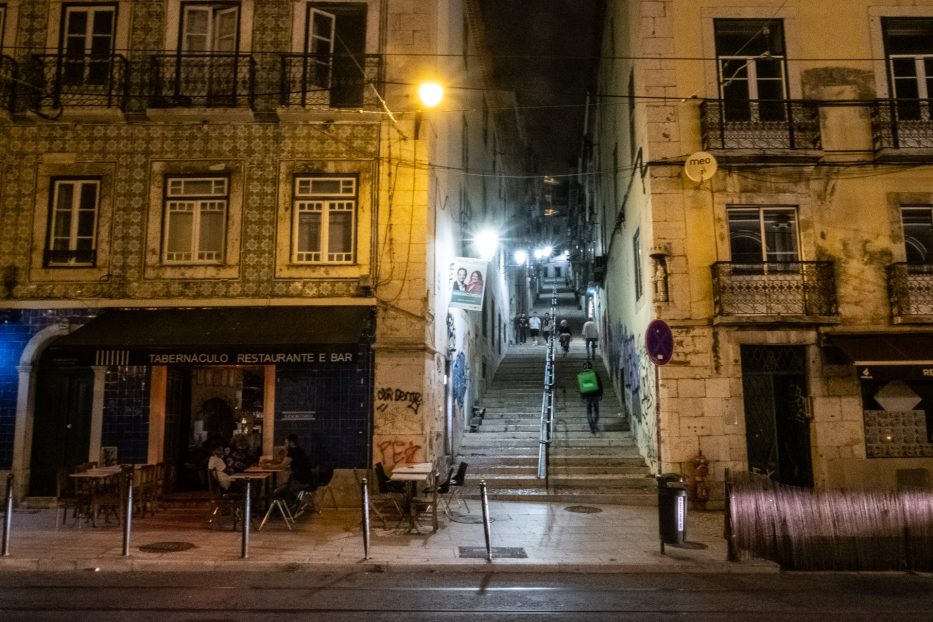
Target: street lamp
(520,256)
(486,242)
(430,94)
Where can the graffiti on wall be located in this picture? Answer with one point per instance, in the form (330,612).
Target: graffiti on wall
(398,410)
(397,451)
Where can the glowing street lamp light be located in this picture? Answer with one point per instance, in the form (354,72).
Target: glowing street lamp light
(486,242)
(520,256)
(430,94)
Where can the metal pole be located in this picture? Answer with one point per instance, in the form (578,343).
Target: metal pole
(244,548)
(128,509)
(729,531)
(8,517)
(364,487)
(482,494)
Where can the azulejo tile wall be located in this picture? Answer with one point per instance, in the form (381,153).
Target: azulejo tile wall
(261,146)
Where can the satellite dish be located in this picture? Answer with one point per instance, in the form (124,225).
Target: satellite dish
(700,166)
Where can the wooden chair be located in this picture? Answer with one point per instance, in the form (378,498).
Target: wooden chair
(72,495)
(425,504)
(380,502)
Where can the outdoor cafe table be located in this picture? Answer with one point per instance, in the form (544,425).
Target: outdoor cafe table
(411,474)
(95,481)
(257,476)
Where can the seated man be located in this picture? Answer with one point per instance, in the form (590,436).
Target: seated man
(301,470)
(216,463)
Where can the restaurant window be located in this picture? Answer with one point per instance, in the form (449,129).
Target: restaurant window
(750,61)
(72,237)
(87,44)
(908,46)
(759,235)
(324,219)
(917,221)
(335,42)
(195,219)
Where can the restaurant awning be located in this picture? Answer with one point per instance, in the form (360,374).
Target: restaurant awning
(886,356)
(216,336)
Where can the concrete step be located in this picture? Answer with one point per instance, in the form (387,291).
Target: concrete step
(557,461)
(531,470)
(566,495)
(585,482)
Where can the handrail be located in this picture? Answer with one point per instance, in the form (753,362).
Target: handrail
(547,400)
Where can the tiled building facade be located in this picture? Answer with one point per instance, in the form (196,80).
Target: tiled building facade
(793,275)
(232,216)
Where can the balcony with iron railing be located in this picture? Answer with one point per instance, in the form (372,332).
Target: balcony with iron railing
(315,81)
(760,125)
(798,291)
(9,73)
(902,124)
(202,81)
(78,81)
(910,292)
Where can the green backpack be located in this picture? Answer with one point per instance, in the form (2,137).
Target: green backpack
(587,381)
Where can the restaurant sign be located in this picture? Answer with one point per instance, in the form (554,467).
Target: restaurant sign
(313,355)
(895,372)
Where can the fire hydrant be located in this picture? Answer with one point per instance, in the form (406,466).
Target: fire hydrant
(701,474)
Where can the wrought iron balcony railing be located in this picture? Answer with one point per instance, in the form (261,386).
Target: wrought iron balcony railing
(910,290)
(202,81)
(9,73)
(799,288)
(760,125)
(83,80)
(316,81)
(902,123)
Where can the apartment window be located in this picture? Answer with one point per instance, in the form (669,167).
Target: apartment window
(209,27)
(751,65)
(335,43)
(909,48)
(636,256)
(767,234)
(72,238)
(918,233)
(2,24)
(324,219)
(195,219)
(87,43)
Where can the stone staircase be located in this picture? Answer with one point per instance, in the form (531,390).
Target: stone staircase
(604,468)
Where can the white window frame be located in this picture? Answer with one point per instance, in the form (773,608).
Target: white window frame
(73,212)
(87,59)
(214,38)
(307,200)
(319,46)
(748,64)
(911,242)
(179,200)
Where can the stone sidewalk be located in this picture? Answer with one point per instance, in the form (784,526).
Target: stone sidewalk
(545,537)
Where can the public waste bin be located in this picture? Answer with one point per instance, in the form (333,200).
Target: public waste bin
(672,509)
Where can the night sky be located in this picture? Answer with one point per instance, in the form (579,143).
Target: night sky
(545,51)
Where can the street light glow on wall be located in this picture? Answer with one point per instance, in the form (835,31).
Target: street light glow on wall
(486,242)
(430,94)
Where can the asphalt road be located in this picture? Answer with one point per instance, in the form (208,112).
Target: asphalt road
(453,596)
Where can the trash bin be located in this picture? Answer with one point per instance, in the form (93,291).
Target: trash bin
(672,509)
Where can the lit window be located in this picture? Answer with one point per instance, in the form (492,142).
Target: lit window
(73,223)
(195,219)
(324,219)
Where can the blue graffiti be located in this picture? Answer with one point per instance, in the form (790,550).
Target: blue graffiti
(460,376)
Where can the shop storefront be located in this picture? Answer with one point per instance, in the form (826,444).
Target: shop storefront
(137,385)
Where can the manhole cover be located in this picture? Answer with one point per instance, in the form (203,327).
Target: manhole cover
(501,552)
(468,519)
(583,509)
(166,547)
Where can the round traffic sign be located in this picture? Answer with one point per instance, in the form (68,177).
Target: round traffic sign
(659,342)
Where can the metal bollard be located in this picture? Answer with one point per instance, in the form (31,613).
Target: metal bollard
(364,488)
(244,548)
(8,517)
(485,502)
(128,510)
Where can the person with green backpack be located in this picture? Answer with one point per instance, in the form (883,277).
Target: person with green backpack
(591,390)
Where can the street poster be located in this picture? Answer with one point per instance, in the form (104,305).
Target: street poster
(467,283)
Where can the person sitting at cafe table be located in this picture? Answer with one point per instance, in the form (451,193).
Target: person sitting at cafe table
(216,464)
(301,470)
(241,456)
